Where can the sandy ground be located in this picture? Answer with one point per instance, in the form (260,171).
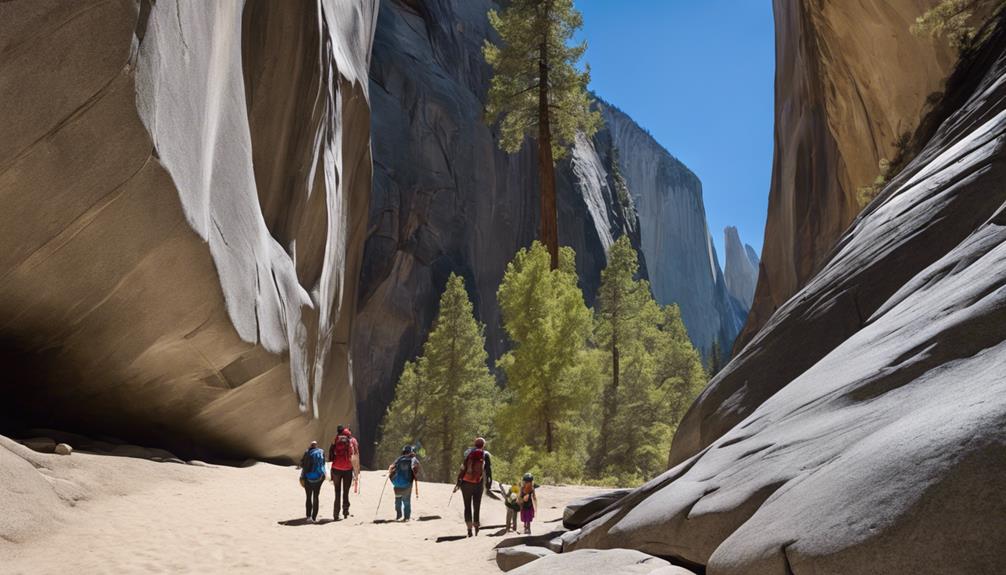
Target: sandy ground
(125,515)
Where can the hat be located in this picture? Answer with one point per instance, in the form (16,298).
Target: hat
(408,449)
(480,443)
(528,477)
(347,432)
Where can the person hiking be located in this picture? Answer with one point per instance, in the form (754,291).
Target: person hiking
(343,452)
(511,500)
(528,502)
(312,477)
(474,476)
(404,472)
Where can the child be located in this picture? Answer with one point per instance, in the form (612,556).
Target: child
(511,499)
(528,502)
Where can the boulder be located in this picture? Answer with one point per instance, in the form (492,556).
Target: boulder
(63,449)
(508,558)
(622,561)
(579,511)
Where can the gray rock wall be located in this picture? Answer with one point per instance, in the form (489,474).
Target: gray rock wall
(158,287)
(740,268)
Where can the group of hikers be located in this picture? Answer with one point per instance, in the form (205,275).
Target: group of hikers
(474,478)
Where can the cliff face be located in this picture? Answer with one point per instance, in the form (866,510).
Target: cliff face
(740,268)
(681,261)
(851,80)
(157,286)
(861,429)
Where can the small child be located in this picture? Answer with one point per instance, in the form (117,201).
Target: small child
(528,502)
(511,499)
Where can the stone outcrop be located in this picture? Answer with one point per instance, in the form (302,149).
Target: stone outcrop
(184,187)
(446,199)
(861,429)
(851,82)
(740,268)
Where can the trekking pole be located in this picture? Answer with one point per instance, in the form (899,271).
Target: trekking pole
(376,511)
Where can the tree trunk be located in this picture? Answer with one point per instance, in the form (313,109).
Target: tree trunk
(548,436)
(448,454)
(548,229)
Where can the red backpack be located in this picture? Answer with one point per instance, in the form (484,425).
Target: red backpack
(474,463)
(342,452)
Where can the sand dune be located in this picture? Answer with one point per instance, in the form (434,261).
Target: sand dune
(91,513)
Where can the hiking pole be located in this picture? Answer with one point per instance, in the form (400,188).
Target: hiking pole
(376,511)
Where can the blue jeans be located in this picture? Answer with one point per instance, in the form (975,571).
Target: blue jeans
(403,501)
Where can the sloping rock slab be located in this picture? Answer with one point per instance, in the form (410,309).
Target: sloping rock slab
(580,511)
(509,558)
(623,561)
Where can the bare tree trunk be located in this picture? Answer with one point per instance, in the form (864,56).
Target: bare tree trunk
(548,229)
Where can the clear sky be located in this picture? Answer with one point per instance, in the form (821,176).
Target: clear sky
(699,75)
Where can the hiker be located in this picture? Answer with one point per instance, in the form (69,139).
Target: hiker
(511,500)
(474,476)
(404,472)
(312,477)
(343,453)
(528,502)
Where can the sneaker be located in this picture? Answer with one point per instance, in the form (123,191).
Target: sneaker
(469,531)
(336,518)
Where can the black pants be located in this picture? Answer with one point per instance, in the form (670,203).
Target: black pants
(343,481)
(311,490)
(471,493)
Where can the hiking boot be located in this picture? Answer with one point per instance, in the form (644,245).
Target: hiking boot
(469,531)
(476,529)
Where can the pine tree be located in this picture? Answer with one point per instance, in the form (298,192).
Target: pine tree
(621,300)
(448,395)
(548,324)
(651,377)
(538,91)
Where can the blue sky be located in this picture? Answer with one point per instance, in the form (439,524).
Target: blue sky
(699,75)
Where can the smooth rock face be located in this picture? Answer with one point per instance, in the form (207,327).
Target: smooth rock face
(740,269)
(509,558)
(851,79)
(681,261)
(577,513)
(862,429)
(594,561)
(157,286)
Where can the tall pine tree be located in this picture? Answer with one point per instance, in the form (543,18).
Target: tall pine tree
(652,372)
(548,324)
(538,91)
(447,396)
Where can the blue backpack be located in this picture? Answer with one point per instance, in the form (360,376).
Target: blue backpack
(313,465)
(401,475)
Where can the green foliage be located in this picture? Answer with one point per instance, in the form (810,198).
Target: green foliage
(620,185)
(549,391)
(653,381)
(447,396)
(535,36)
(959,21)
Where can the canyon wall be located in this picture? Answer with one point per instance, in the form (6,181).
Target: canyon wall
(851,81)
(861,430)
(185,187)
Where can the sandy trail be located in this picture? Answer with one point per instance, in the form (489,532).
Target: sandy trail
(141,516)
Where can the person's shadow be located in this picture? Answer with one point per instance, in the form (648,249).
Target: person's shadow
(304,521)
